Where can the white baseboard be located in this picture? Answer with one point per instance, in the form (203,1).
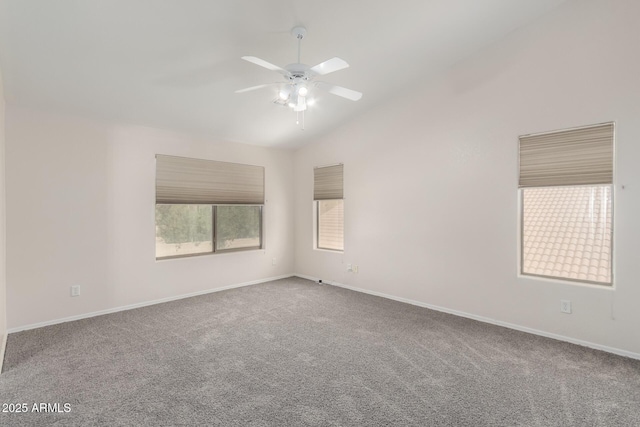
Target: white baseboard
(608,349)
(138,305)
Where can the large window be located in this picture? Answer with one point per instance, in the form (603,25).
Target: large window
(204,206)
(183,230)
(329,204)
(566,184)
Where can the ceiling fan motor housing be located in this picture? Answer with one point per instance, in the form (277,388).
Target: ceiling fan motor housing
(299,32)
(298,71)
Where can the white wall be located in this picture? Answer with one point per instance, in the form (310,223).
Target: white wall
(431,205)
(3,270)
(80,211)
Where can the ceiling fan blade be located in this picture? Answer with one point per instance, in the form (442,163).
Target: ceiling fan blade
(340,91)
(329,66)
(249,89)
(265,64)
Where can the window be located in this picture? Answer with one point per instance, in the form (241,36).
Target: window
(566,184)
(328,198)
(330,224)
(238,227)
(183,230)
(204,206)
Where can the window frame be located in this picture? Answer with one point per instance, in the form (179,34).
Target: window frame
(214,236)
(328,185)
(520,192)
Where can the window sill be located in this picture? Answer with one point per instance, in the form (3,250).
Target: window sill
(208,254)
(560,281)
(330,251)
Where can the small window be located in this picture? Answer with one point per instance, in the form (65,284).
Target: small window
(330,224)
(329,204)
(566,185)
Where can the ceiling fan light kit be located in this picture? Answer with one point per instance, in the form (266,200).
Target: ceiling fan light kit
(299,84)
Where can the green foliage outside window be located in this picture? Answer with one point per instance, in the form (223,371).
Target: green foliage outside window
(184,223)
(237,226)
(237,222)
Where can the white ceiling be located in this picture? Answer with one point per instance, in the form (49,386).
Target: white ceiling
(176,64)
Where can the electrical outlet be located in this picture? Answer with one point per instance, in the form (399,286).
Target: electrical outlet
(349,267)
(75,291)
(273,261)
(355,268)
(565,306)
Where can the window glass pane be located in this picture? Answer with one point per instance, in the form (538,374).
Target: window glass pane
(331,224)
(183,230)
(238,227)
(567,232)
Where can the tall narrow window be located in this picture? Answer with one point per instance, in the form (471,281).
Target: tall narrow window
(205,206)
(566,184)
(328,198)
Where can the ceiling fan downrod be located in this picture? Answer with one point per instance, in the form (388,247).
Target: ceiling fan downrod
(299,33)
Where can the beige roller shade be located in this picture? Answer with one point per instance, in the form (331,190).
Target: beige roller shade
(572,157)
(182,180)
(327,183)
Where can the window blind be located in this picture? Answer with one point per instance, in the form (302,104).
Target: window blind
(182,180)
(327,182)
(572,157)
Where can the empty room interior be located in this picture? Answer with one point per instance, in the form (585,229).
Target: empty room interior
(296,212)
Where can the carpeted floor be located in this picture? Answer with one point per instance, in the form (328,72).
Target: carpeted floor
(292,352)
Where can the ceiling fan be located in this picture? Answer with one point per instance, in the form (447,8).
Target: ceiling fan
(295,91)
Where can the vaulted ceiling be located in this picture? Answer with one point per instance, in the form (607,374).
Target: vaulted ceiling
(176,64)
